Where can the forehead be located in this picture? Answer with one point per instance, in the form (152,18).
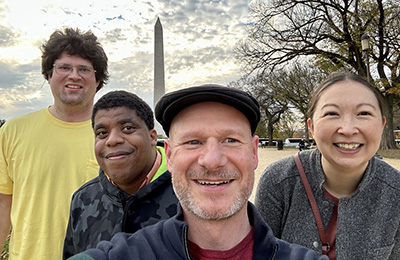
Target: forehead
(348,92)
(72,59)
(116,114)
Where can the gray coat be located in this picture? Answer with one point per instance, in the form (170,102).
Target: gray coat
(368,221)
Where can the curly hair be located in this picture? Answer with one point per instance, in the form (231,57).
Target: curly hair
(75,42)
(121,98)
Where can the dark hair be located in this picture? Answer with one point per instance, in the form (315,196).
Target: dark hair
(75,42)
(121,98)
(340,77)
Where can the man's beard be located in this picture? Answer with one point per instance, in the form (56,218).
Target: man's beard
(189,201)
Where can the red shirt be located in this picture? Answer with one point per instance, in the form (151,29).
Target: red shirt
(242,251)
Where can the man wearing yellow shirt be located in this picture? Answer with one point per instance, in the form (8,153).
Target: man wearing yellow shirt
(46,155)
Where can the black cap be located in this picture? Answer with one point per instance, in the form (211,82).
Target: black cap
(172,103)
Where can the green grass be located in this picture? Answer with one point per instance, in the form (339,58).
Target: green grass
(4,254)
(389,153)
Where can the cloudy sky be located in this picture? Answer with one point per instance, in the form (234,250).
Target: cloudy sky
(199,37)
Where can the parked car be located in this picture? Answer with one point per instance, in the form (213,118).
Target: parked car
(294,142)
(264,142)
(291,142)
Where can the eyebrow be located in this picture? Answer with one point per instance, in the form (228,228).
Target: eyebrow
(359,105)
(70,65)
(123,120)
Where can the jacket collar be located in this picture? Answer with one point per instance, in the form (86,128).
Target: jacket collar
(265,242)
(117,195)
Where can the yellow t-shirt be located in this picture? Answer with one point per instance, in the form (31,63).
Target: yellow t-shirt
(42,162)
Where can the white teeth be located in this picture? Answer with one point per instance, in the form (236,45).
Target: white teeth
(212,182)
(71,86)
(348,146)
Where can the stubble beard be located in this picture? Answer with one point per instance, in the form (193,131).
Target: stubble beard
(189,202)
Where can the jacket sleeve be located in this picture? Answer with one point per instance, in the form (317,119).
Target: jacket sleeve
(69,242)
(82,256)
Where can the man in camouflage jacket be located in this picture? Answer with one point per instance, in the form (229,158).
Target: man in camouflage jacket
(133,189)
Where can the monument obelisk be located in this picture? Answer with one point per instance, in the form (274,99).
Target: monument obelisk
(159,81)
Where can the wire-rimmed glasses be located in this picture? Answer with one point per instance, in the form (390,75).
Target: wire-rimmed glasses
(65,69)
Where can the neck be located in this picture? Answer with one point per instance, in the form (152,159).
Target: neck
(71,114)
(143,178)
(341,182)
(218,234)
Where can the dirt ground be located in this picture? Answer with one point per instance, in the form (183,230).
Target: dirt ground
(269,155)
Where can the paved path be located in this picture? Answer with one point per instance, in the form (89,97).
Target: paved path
(269,155)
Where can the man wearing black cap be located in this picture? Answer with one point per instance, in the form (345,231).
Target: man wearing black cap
(211,154)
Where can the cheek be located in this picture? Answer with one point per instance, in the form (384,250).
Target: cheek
(98,146)
(181,160)
(322,129)
(374,132)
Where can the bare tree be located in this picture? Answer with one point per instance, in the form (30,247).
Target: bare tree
(282,31)
(296,84)
(272,106)
(289,124)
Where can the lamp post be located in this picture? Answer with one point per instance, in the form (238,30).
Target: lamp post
(365,47)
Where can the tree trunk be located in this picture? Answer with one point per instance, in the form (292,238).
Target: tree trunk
(387,141)
(270,131)
(306,134)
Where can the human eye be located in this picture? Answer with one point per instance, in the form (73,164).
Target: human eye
(193,142)
(364,113)
(330,113)
(128,128)
(101,133)
(230,140)
(64,68)
(85,70)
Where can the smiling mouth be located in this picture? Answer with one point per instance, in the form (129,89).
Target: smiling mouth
(212,183)
(348,146)
(115,155)
(73,87)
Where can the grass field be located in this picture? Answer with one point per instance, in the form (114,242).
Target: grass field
(4,254)
(390,153)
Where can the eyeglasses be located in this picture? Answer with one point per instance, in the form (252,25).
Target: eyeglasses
(65,69)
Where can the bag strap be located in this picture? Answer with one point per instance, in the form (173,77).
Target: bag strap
(314,207)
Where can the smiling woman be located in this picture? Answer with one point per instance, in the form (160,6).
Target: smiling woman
(348,182)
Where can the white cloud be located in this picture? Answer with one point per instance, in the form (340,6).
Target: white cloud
(199,37)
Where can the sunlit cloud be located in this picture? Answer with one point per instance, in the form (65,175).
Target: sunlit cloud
(199,37)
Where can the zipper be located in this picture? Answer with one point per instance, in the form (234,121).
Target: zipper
(275,252)
(185,239)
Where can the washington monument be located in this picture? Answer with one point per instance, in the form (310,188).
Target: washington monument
(159,81)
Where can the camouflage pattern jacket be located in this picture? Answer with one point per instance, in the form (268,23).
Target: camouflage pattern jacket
(99,210)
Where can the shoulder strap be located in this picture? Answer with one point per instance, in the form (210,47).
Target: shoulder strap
(314,207)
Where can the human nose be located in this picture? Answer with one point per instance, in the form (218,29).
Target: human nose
(212,157)
(348,126)
(114,138)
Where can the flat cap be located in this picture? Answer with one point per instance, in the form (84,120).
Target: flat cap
(172,103)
